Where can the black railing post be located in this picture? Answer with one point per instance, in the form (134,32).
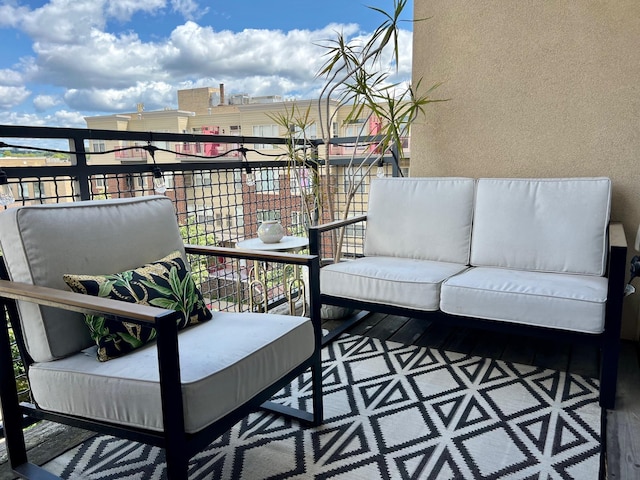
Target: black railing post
(76,145)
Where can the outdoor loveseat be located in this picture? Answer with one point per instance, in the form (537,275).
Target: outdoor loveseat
(530,256)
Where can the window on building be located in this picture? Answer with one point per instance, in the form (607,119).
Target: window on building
(264,215)
(169,179)
(38,189)
(352,177)
(310,133)
(205,215)
(239,216)
(98,146)
(100,181)
(23,190)
(264,131)
(202,178)
(235,130)
(237,179)
(356,128)
(267,181)
(300,180)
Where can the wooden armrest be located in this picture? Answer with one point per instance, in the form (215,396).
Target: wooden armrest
(338,223)
(78,302)
(617,237)
(277,257)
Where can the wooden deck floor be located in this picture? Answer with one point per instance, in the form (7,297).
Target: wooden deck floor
(623,423)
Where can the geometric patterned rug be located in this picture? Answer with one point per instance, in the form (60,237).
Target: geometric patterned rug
(393,411)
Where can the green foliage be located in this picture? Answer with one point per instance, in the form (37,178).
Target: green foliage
(195,233)
(301,156)
(356,79)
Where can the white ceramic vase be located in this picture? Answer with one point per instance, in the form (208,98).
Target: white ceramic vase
(270,231)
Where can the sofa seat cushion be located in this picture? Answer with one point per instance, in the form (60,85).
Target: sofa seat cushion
(401,282)
(563,301)
(223,363)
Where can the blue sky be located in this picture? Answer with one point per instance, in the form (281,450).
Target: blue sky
(62,60)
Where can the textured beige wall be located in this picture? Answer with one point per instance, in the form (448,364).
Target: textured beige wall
(537,89)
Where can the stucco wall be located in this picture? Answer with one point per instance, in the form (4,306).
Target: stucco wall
(536,88)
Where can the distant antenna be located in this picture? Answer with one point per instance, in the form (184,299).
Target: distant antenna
(140,107)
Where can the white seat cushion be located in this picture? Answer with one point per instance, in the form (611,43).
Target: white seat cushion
(402,282)
(563,301)
(223,363)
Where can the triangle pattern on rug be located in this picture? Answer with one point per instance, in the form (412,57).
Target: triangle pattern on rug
(392,411)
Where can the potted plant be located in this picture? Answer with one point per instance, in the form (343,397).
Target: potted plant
(354,78)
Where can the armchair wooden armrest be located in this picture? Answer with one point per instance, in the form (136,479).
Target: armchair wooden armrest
(267,256)
(87,304)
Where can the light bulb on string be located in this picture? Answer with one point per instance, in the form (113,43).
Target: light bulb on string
(250,179)
(6,195)
(380,169)
(158,181)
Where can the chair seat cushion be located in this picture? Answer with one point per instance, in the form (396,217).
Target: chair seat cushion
(563,301)
(402,282)
(223,363)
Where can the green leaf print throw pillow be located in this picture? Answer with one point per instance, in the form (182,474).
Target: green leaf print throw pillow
(166,284)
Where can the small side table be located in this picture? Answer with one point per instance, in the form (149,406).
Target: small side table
(294,287)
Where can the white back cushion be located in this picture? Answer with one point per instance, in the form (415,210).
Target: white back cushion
(547,225)
(42,242)
(421,218)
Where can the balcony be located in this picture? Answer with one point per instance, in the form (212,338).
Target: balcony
(215,205)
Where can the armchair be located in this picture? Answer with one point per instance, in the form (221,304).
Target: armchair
(179,392)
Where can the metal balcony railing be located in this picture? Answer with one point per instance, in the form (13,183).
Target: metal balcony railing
(206,177)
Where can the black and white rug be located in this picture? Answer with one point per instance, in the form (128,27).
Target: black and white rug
(394,412)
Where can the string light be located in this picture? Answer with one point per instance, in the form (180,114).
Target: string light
(250,179)
(380,169)
(158,179)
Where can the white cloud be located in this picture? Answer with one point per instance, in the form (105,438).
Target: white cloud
(11,77)
(78,48)
(61,118)
(12,96)
(189,9)
(45,102)
(155,95)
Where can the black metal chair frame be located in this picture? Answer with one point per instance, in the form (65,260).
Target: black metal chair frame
(608,341)
(179,446)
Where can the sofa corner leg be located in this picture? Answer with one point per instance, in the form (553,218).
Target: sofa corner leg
(609,376)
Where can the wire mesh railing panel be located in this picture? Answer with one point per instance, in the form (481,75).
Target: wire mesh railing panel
(220,197)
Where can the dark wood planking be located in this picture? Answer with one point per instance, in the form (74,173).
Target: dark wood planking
(385,329)
(585,361)
(461,340)
(434,336)
(623,423)
(410,331)
(490,344)
(367,323)
(519,350)
(552,355)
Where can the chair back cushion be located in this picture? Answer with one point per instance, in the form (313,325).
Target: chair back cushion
(420,218)
(545,225)
(41,243)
